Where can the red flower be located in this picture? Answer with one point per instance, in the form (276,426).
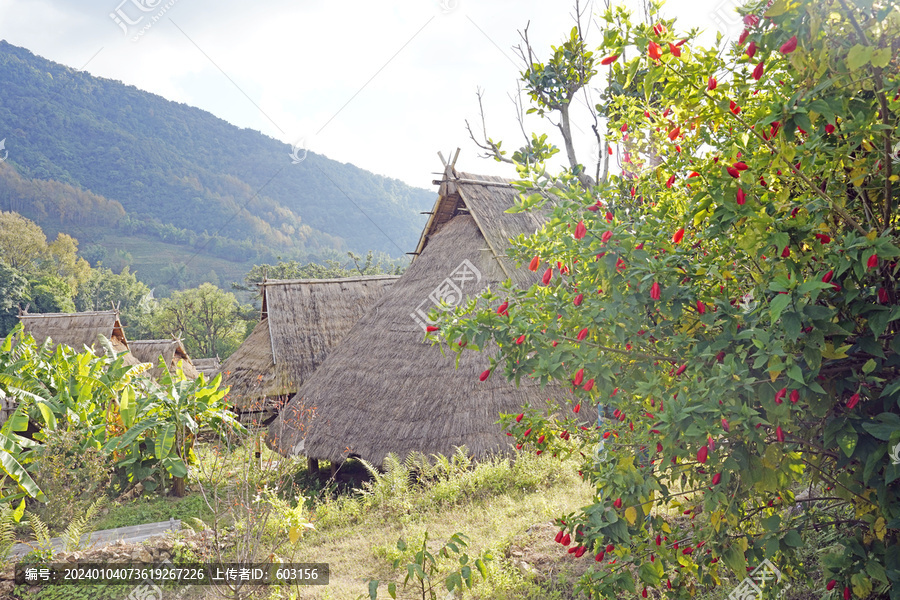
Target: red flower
(693,174)
(751,49)
(786,252)
(534,264)
(618,503)
(740,166)
(711,84)
(779,396)
(485,375)
(567,539)
(644,593)
(830,585)
(741,197)
(607,235)
(580,230)
(559,537)
(579,377)
(883,296)
(701,308)
(624,127)
(675,50)
(609,59)
(827,276)
(679,235)
(680,369)
(670,181)
(609,217)
(600,555)
(578,299)
(548,275)
(674,133)
(520,339)
(825,239)
(733,172)
(610,547)
(541,439)
(789,46)
(734,107)
(431,328)
(846,592)
(527,432)
(829,128)
(779,434)
(743,37)
(580,552)
(702,455)
(576,409)
(795,396)
(654,291)
(582,334)
(659,29)
(872,262)
(589,385)
(758,71)
(654,51)
(659,448)
(725,425)
(502,309)
(519,417)
(853,401)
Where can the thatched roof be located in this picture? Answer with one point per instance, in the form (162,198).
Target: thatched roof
(79,330)
(172,352)
(302,319)
(207,366)
(384,388)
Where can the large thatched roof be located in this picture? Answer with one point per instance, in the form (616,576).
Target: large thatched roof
(302,319)
(172,352)
(384,388)
(79,329)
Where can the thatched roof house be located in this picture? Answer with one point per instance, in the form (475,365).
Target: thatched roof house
(384,388)
(79,329)
(301,321)
(172,352)
(207,366)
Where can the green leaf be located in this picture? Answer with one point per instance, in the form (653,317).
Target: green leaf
(15,471)
(175,466)
(165,440)
(778,304)
(869,366)
(482,568)
(392,590)
(847,439)
(373,589)
(881,58)
(859,56)
(793,539)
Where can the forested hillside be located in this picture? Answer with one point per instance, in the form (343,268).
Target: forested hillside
(91,157)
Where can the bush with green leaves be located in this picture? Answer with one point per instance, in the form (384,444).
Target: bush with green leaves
(729,298)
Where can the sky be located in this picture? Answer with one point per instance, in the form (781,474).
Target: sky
(381,85)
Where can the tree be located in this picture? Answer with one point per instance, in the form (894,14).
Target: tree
(124,291)
(23,245)
(332,269)
(210,320)
(729,300)
(13,296)
(65,262)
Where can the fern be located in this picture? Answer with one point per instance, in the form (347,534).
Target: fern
(41,532)
(72,535)
(7,532)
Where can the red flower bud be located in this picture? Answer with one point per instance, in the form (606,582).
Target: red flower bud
(576,409)
(548,275)
(789,46)
(872,262)
(743,36)
(679,235)
(659,29)
(779,434)
(733,172)
(740,166)
(589,385)
(644,593)
(580,552)
(716,478)
(559,537)
(734,107)
(534,264)
(618,503)
(725,425)
(702,455)
(720,356)
(779,396)
(654,291)
(519,417)
(520,339)
(674,133)
(786,252)
(825,239)
(795,396)
(751,49)
(607,235)
(830,585)
(432,328)
(485,375)
(527,432)
(741,197)
(609,60)
(711,84)
(610,548)
(826,278)
(582,334)
(701,308)
(659,447)
(580,230)
(670,182)
(579,377)
(758,71)
(883,296)
(829,128)
(680,369)
(502,309)
(609,217)
(567,539)
(846,593)
(541,439)
(853,401)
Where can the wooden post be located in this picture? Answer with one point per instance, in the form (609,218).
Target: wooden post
(312,465)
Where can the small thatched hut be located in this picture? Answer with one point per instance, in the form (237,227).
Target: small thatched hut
(301,321)
(207,366)
(172,352)
(79,329)
(385,388)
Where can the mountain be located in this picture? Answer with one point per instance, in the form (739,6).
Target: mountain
(140,179)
